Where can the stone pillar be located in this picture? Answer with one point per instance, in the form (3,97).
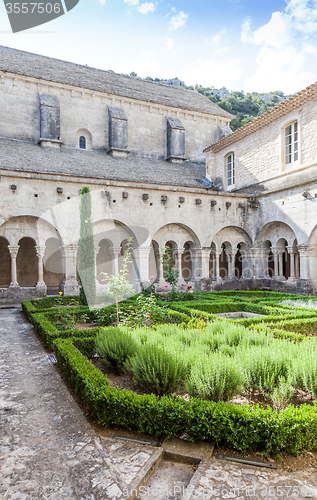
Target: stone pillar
(297,265)
(291,252)
(229,254)
(161,269)
(179,255)
(96,272)
(14,277)
(142,255)
(157,264)
(275,254)
(265,260)
(69,284)
(217,256)
(280,265)
(213,259)
(115,252)
(205,258)
(302,249)
(40,251)
(196,254)
(257,254)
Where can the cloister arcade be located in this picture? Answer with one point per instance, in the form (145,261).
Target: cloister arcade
(33,255)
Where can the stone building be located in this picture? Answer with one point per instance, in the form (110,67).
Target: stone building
(239,214)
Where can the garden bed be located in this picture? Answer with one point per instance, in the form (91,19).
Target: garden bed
(232,424)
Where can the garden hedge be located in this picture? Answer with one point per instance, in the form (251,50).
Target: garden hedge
(242,428)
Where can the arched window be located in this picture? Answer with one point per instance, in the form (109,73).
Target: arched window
(82,142)
(291,144)
(230,170)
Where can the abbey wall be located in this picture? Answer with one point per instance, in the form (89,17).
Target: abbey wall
(238,210)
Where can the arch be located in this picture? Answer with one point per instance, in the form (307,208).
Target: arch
(52,265)
(186,264)
(83,136)
(27,262)
(274,231)
(5,263)
(104,258)
(178,233)
(232,236)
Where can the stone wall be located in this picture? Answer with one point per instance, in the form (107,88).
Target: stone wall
(260,155)
(80,109)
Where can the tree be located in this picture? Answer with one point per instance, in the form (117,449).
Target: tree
(119,285)
(86,250)
(133,74)
(171,274)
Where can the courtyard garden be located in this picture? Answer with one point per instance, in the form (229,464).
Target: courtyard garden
(235,368)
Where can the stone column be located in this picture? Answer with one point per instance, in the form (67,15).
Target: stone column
(213,259)
(161,270)
(297,264)
(302,249)
(275,254)
(265,258)
(178,262)
(229,259)
(40,251)
(217,256)
(13,254)
(196,254)
(280,265)
(96,272)
(205,258)
(142,255)
(291,252)
(115,252)
(69,284)
(257,254)
(157,264)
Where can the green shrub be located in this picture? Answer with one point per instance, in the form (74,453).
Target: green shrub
(305,368)
(115,347)
(264,367)
(157,370)
(215,378)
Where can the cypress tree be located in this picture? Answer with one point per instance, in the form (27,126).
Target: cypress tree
(86,250)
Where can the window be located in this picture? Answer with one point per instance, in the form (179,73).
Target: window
(230,170)
(291,143)
(82,142)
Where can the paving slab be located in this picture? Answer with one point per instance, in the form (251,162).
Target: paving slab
(48,450)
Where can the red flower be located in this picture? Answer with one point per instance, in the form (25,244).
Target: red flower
(189,287)
(148,314)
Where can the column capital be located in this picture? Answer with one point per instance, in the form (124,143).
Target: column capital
(115,251)
(142,251)
(13,250)
(40,251)
(291,250)
(69,250)
(302,249)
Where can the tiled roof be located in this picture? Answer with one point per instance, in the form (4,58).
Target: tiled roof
(55,70)
(27,157)
(283,109)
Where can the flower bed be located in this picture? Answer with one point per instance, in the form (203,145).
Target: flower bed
(231,352)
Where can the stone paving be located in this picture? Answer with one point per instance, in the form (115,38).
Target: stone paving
(48,450)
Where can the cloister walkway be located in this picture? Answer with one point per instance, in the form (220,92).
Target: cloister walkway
(49,451)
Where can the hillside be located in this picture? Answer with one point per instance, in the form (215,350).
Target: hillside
(245,107)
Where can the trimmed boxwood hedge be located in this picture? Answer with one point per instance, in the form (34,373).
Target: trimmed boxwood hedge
(242,428)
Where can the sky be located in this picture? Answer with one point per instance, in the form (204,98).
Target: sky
(244,45)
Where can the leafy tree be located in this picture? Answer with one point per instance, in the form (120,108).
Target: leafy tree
(119,285)
(86,250)
(171,274)
(133,74)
